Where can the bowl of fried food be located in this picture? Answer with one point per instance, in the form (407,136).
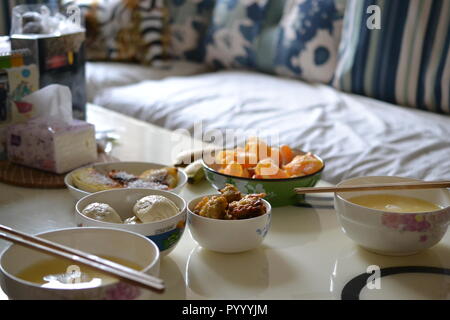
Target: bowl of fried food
(259,168)
(116,175)
(229,222)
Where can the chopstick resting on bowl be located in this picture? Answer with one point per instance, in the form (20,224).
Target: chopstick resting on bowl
(377,187)
(108,267)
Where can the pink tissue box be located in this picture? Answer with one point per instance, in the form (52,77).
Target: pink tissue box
(52,145)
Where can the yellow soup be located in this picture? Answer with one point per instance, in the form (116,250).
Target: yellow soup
(61,273)
(394,203)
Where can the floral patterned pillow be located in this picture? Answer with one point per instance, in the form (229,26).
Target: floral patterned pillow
(231,41)
(188,23)
(124,30)
(295,38)
(307,39)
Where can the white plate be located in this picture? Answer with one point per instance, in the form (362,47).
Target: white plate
(135,168)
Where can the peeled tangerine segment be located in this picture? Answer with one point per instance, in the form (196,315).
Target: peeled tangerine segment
(268,169)
(286,154)
(246,159)
(303,164)
(258,147)
(235,169)
(225,157)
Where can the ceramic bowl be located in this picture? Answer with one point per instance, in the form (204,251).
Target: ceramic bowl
(228,236)
(135,168)
(99,241)
(165,233)
(393,233)
(279,192)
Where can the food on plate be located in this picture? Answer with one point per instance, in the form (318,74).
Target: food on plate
(102,212)
(231,205)
(88,179)
(91,180)
(122,177)
(154,208)
(165,176)
(258,160)
(394,203)
(141,183)
(59,273)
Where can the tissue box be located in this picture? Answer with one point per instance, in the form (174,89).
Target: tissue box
(52,145)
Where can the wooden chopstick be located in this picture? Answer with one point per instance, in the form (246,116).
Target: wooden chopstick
(374,187)
(79,257)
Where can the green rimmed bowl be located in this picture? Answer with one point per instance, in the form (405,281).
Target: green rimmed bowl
(280,192)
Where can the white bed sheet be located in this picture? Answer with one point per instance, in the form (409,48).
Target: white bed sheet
(101,75)
(354,135)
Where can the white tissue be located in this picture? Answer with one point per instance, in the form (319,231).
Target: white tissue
(52,101)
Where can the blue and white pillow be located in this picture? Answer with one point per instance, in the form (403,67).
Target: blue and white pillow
(295,38)
(406,61)
(308,39)
(235,27)
(187,26)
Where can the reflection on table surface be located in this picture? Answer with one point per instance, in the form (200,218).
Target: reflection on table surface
(353,260)
(227,276)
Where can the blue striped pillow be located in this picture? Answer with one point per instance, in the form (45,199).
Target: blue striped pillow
(406,62)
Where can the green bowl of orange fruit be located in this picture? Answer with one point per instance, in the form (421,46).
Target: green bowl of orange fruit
(259,168)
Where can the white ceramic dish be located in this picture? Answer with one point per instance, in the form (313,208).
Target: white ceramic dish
(165,233)
(388,232)
(98,241)
(135,168)
(228,236)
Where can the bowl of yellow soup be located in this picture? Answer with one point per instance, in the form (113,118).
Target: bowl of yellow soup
(29,274)
(393,222)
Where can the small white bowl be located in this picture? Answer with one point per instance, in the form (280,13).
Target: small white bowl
(393,233)
(135,168)
(228,236)
(165,233)
(99,241)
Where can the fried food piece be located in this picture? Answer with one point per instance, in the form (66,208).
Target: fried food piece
(215,207)
(249,206)
(199,206)
(231,193)
(167,176)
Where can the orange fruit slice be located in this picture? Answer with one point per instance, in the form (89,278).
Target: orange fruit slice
(286,154)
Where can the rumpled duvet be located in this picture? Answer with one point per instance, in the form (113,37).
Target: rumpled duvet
(354,135)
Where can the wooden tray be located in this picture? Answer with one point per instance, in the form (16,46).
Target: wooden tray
(22,176)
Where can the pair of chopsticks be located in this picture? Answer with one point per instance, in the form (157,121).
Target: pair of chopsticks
(116,270)
(377,187)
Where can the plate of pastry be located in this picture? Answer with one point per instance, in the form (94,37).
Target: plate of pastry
(112,175)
